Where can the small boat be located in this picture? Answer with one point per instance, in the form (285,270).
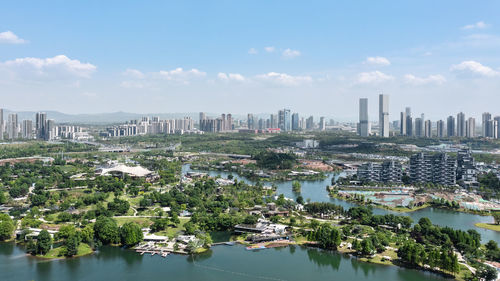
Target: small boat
(230,243)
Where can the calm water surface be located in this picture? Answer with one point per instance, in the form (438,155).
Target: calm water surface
(232,263)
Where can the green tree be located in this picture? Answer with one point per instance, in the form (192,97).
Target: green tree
(131,234)
(367,247)
(6,227)
(87,234)
(106,230)
(296,186)
(71,244)
(43,243)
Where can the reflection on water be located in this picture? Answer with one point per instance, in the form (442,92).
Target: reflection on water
(324,258)
(222,263)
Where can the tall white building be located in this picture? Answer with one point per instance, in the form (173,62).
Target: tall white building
(12,127)
(470,127)
(27,129)
(383,115)
(364,125)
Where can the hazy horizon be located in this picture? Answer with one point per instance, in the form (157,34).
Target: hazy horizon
(251,57)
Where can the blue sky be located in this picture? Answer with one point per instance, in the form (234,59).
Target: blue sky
(316,57)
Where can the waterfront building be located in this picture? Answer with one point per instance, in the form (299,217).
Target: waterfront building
(383,121)
(437,169)
(387,172)
(363,126)
(466,169)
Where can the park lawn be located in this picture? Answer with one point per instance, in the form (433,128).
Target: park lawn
(145,222)
(173,231)
(491,226)
(83,249)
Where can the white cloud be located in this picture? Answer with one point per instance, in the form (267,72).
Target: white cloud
(269,49)
(377,61)
(181,75)
(253,51)
(8,37)
(289,53)
(56,67)
(134,73)
(373,77)
(477,25)
(474,68)
(230,77)
(431,79)
(284,79)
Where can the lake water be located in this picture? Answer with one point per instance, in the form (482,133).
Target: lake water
(232,263)
(315,191)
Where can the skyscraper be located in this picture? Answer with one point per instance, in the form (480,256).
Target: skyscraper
(281,120)
(12,126)
(402,124)
(461,125)
(310,123)
(41,126)
(363,126)
(440,129)
(496,125)
(428,129)
(484,124)
(450,126)
(470,127)
(273,119)
(288,120)
(419,127)
(27,129)
(251,121)
(408,122)
(295,122)
(322,124)
(383,118)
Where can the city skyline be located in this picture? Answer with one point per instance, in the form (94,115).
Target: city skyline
(149,58)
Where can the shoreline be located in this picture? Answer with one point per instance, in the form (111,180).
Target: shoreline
(489,226)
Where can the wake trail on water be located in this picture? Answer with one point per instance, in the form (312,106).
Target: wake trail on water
(237,273)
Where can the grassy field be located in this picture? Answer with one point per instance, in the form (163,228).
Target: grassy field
(144,222)
(495,227)
(172,231)
(54,253)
